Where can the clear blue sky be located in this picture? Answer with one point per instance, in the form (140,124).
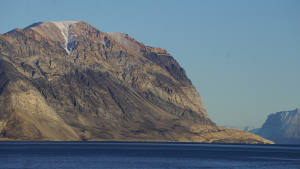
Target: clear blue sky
(243,56)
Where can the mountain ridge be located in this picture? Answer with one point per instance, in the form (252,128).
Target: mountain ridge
(282,127)
(98,86)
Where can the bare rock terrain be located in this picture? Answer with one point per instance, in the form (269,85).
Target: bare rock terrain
(70,81)
(282,127)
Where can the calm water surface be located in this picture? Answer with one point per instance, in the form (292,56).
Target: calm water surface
(108,155)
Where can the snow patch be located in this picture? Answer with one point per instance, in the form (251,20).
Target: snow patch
(64,27)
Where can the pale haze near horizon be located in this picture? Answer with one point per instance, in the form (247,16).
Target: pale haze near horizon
(243,56)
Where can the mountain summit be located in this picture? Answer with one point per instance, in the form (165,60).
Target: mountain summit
(70,81)
(282,127)
(56,31)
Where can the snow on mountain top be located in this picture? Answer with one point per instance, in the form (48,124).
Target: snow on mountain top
(55,30)
(64,27)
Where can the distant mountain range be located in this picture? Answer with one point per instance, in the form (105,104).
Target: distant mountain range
(70,81)
(281,127)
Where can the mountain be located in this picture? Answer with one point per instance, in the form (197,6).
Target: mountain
(282,127)
(70,81)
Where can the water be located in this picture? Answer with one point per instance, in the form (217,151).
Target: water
(109,155)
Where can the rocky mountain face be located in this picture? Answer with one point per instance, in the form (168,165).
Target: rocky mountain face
(70,81)
(282,127)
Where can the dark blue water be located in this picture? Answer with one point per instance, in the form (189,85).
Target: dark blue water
(94,155)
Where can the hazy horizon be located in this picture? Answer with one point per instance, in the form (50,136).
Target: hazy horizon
(242,56)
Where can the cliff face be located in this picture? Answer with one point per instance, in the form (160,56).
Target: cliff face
(70,81)
(282,127)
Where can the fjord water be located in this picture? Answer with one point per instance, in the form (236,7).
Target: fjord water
(120,155)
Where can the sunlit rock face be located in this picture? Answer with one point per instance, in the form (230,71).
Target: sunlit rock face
(282,127)
(70,81)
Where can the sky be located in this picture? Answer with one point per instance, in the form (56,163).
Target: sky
(243,56)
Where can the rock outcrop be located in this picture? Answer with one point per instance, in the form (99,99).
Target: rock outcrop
(70,81)
(282,127)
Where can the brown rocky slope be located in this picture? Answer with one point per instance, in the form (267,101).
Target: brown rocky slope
(70,81)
